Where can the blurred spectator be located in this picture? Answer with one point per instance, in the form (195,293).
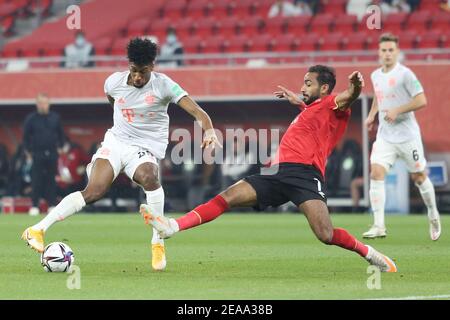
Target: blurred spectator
(304,8)
(445,5)
(401,6)
(170,48)
(283,8)
(4,168)
(79,54)
(358,7)
(72,164)
(19,181)
(311,5)
(43,136)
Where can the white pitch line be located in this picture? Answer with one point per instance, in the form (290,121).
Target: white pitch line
(442,296)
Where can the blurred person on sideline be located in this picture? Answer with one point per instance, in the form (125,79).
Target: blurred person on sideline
(43,137)
(79,54)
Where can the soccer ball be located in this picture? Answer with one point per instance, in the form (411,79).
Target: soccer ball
(57,257)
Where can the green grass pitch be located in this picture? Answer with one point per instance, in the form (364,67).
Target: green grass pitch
(238,256)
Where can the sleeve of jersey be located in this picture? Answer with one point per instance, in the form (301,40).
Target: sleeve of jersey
(412,84)
(108,83)
(174,91)
(331,102)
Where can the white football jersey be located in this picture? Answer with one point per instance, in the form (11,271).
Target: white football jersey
(140,114)
(393,89)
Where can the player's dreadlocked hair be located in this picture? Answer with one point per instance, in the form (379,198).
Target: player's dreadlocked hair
(325,75)
(141,52)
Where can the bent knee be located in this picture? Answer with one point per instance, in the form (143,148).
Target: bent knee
(325,236)
(93,193)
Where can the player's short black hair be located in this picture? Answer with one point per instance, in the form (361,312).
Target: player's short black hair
(141,52)
(325,75)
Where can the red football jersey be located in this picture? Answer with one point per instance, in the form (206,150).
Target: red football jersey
(313,134)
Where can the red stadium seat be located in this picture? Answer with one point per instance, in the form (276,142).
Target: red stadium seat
(440,20)
(251,26)
(308,42)
(197,9)
(228,27)
(355,41)
(275,26)
(430,39)
(119,46)
(222,9)
(285,43)
(321,23)
(394,22)
(238,44)
(185,28)
(174,9)
(418,21)
(337,7)
(298,25)
(373,37)
(204,28)
(345,24)
(159,27)
(214,45)
(407,39)
(102,46)
(260,8)
(262,43)
(430,5)
(194,45)
(331,42)
(138,27)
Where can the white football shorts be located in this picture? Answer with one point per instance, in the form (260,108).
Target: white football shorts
(385,154)
(121,156)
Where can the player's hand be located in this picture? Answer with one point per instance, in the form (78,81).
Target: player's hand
(210,139)
(390,115)
(356,78)
(284,93)
(369,123)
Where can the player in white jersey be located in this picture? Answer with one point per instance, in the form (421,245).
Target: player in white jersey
(139,136)
(398,94)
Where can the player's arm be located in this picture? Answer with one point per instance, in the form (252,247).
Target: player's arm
(370,120)
(191,107)
(293,98)
(418,102)
(345,99)
(111,100)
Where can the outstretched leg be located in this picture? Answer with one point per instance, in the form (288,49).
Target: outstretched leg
(101,178)
(319,220)
(241,194)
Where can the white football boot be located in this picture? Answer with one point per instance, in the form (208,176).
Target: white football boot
(375,232)
(166,227)
(384,263)
(435,229)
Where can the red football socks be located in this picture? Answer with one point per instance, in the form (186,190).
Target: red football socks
(203,213)
(345,240)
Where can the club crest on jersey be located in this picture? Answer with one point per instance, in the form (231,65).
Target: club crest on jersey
(121,101)
(149,99)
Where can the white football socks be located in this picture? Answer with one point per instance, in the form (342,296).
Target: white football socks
(377,201)
(71,204)
(429,198)
(155,200)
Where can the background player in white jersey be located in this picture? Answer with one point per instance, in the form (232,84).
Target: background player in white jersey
(139,136)
(398,94)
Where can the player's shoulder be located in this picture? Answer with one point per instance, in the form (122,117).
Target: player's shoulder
(116,78)
(160,77)
(376,72)
(404,69)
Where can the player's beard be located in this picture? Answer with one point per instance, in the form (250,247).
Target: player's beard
(310,99)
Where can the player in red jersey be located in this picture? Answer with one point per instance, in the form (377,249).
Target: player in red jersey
(301,161)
